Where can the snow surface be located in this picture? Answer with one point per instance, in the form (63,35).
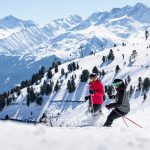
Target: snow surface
(21,137)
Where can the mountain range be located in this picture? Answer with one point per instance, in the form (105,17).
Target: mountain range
(25,46)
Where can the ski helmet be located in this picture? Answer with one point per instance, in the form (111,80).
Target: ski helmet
(93,75)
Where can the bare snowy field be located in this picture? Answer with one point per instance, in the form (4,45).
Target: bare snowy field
(15,136)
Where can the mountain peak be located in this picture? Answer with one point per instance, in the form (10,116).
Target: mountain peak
(140,5)
(10,17)
(12,22)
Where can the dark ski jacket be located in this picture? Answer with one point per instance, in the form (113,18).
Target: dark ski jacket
(121,100)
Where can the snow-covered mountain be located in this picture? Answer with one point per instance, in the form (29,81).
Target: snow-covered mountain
(13,22)
(59,26)
(30,46)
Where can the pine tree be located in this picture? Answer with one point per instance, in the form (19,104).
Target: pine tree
(74,66)
(111,55)
(129,79)
(146,34)
(123,56)
(84,76)
(73,85)
(56,68)
(62,71)
(140,83)
(103,73)
(24,84)
(49,88)
(33,79)
(18,93)
(117,69)
(13,97)
(42,71)
(2,102)
(28,100)
(115,45)
(146,85)
(49,74)
(66,75)
(31,96)
(39,100)
(8,101)
(123,44)
(144,97)
(70,67)
(57,87)
(104,59)
(131,91)
(69,86)
(59,62)
(42,91)
(78,66)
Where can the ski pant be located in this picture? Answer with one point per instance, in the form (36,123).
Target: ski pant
(114,115)
(95,107)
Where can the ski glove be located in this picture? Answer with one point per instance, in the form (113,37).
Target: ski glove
(109,106)
(86,98)
(91,92)
(112,96)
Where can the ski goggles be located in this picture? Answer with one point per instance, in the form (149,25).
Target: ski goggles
(116,84)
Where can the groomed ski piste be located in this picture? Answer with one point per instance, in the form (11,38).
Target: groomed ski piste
(73,128)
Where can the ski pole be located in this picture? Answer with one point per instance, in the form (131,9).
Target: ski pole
(125,121)
(129,119)
(92,103)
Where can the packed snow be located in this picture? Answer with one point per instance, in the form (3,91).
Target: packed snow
(21,137)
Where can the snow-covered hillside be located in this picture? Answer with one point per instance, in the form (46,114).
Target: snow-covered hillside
(60,113)
(22,137)
(28,45)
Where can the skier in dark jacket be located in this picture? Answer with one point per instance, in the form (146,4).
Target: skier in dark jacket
(96,92)
(120,105)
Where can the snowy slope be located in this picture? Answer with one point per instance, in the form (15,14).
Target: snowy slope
(73,114)
(41,137)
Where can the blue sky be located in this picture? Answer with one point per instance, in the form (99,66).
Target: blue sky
(43,11)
